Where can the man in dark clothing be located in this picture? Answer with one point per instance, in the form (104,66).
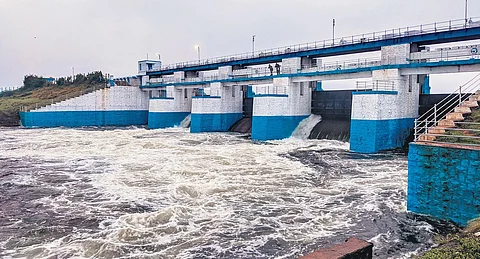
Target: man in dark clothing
(277,67)
(271,69)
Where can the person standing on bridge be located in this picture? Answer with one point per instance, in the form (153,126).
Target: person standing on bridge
(277,67)
(271,69)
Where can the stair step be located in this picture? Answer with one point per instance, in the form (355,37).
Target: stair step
(463,110)
(426,138)
(446,124)
(474,97)
(455,116)
(436,130)
(471,104)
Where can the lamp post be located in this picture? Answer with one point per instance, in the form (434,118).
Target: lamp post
(253,45)
(198,52)
(333,37)
(466,12)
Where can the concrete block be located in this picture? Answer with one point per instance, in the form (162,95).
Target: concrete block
(471,104)
(455,116)
(446,124)
(436,130)
(463,110)
(353,248)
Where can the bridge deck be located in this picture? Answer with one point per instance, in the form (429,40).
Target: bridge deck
(310,75)
(434,33)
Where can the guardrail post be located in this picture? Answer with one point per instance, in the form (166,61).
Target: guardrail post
(415,130)
(460,96)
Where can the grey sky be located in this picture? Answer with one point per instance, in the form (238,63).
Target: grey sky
(49,37)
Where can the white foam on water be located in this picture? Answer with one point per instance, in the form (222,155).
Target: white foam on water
(211,192)
(186,122)
(306,126)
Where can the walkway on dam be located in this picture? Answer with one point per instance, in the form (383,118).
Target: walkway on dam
(433,33)
(361,68)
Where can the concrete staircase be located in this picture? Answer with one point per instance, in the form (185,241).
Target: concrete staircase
(457,115)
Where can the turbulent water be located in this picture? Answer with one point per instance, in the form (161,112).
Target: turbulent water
(137,193)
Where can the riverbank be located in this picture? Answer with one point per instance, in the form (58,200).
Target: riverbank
(464,245)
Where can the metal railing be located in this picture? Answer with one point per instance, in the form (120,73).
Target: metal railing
(427,127)
(257,72)
(270,89)
(355,39)
(376,85)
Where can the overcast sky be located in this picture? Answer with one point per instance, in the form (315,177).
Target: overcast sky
(49,37)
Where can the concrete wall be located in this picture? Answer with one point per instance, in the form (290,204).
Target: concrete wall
(383,119)
(275,116)
(171,110)
(444,182)
(217,113)
(115,106)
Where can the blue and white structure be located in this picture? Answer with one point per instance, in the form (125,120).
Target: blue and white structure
(220,109)
(383,118)
(382,113)
(113,106)
(278,110)
(170,107)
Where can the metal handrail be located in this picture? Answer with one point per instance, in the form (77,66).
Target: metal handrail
(440,110)
(376,85)
(355,39)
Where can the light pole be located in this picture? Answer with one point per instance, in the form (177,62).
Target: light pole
(466,12)
(333,37)
(198,52)
(253,45)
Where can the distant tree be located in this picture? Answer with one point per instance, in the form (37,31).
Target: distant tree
(79,79)
(32,82)
(61,81)
(95,77)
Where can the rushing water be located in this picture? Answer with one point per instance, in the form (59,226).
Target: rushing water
(137,193)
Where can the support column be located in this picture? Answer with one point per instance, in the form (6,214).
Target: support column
(276,115)
(382,119)
(218,111)
(170,109)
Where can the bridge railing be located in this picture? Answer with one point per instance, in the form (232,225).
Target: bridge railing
(376,85)
(328,43)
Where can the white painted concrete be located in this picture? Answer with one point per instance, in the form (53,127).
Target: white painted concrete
(297,103)
(230,101)
(115,98)
(181,102)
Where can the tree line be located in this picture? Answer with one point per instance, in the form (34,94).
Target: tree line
(32,82)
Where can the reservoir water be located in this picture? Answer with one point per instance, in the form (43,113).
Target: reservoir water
(137,193)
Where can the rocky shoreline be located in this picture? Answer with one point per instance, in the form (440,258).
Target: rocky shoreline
(9,119)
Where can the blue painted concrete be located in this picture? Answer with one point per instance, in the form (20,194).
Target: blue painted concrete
(426,85)
(431,38)
(444,182)
(318,87)
(330,72)
(161,120)
(206,97)
(250,92)
(271,95)
(274,127)
(371,136)
(217,122)
(376,92)
(83,118)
